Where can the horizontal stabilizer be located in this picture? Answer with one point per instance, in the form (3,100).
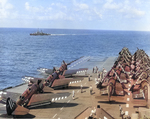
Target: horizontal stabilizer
(47,89)
(43,99)
(20,111)
(74,71)
(59,83)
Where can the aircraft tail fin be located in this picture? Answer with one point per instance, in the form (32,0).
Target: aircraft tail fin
(10,106)
(14,109)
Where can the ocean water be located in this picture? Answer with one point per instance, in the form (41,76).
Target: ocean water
(21,54)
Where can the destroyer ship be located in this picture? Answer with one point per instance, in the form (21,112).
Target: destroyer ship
(39,33)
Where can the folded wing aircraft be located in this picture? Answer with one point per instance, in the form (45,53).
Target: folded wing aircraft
(19,104)
(69,68)
(61,82)
(58,78)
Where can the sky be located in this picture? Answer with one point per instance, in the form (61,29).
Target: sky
(76,14)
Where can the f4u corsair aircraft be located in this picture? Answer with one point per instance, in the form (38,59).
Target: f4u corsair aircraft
(19,104)
(58,78)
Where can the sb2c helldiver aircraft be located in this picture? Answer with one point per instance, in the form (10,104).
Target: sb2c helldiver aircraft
(39,92)
(57,79)
(19,104)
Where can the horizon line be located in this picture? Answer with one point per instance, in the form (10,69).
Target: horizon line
(76,29)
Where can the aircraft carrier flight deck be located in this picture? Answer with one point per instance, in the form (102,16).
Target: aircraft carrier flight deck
(83,103)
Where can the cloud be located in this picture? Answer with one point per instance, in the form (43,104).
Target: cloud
(80,6)
(33,8)
(59,5)
(98,13)
(27,6)
(97,1)
(59,11)
(56,11)
(138,1)
(110,5)
(83,11)
(4,4)
(132,9)
(5,9)
(83,6)
(129,12)
(127,8)
(58,16)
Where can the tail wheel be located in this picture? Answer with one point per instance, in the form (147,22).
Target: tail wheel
(110,89)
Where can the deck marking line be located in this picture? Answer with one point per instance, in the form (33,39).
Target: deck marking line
(68,101)
(127,105)
(105,117)
(126,112)
(54,115)
(61,108)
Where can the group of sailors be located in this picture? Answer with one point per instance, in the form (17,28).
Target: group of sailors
(73,92)
(95,69)
(100,76)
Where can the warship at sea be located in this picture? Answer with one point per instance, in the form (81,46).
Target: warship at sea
(39,33)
